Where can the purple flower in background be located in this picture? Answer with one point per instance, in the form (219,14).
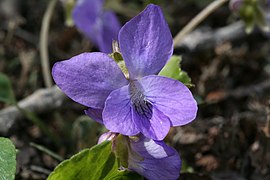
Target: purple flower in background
(100,26)
(151,159)
(235,5)
(145,103)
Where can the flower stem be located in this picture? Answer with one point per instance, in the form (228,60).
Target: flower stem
(197,20)
(44,43)
(47,151)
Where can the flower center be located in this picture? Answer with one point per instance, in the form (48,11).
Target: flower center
(139,102)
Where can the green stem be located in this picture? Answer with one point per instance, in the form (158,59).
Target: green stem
(197,20)
(47,151)
(44,43)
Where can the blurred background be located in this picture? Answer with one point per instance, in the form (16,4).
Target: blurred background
(230,70)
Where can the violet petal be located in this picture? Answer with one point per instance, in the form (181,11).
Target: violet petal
(95,114)
(88,78)
(117,113)
(100,26)
(171,97)
(85,15)
(154,159)
(155,127)
(108,32)
(146,42)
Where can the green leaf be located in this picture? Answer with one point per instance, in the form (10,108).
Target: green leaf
(124,175)
(7,159)
(172,70)
(184,78)
(6,92)
(252,14)
(96,163)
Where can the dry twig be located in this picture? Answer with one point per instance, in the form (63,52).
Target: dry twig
(41,101)
(197,20)
(205,39)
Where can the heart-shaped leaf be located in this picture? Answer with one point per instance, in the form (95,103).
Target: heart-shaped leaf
(96,163)
(7,159)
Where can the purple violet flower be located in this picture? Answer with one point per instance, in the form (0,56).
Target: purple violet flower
(100,26)
(151,159)
(145,103)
